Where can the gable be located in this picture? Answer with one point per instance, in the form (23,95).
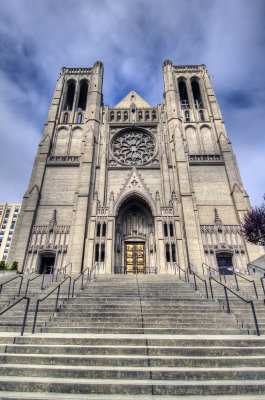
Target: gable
(133,98)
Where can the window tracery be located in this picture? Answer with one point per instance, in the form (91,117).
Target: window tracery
(133,147)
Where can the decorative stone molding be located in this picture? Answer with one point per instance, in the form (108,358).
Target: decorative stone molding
(76,71)
(205,159)
(73,161)
(220,238)
(133,147)
(135,187)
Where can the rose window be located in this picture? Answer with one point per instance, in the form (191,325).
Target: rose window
(133,147)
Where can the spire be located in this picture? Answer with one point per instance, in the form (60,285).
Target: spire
(217,220)
(53,221)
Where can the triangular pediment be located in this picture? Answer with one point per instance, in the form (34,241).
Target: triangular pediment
(135,186)
(133,98)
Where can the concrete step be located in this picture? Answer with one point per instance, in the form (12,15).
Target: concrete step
(133,386)
(136,349)
(133,372)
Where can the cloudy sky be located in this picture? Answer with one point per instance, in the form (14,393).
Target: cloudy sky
(132,39)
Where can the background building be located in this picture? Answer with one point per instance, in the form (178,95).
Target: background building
(8,218)
(133,188)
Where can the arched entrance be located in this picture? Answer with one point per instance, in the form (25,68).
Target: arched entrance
(134,238)
(46,263)
(225,263)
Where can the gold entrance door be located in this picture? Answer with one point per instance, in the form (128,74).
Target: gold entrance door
(135,258)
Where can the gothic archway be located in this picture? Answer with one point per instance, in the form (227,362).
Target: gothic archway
(134,237)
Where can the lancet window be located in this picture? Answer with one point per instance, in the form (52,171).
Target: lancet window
(69,100)
(183,94)
(196,93)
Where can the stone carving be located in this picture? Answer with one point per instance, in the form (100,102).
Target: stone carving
(135,186)
(206,158)
(61,160)
(133,147)
(223,238)
(157,196)
(53,221)
(111,197)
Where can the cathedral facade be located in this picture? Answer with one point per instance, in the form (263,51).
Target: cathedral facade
(133,188)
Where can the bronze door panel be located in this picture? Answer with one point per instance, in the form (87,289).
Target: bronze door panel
(135,258)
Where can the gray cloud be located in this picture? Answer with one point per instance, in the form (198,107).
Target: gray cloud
(132,39)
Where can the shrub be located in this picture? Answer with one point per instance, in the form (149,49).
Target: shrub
(14,266)
(2,266)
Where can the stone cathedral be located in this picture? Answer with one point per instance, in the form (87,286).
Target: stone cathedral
(133,188)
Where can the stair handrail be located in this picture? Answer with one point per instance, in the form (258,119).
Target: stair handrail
(59,270)
(82,282)
(262,284)
(203,280)
(226,288)
(209,267)
(246,279)
(58,287)
(184,271)
(32,279)
(95,271)
(12,279)
(25,312)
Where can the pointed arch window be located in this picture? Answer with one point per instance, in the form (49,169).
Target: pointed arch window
(102,253)
(196,93)
(167,253)
(183,94)
(79,118)
(201,116)
(65,118)
(69,100)
(83,89)
(97,253)
(187,116)
(171,229)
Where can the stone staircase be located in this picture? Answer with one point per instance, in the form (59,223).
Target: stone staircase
(241,310)
(135,337)
(12,320)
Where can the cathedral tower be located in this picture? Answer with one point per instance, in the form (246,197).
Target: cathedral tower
(133,188)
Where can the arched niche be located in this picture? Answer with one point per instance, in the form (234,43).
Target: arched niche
(76,142)
(134,236)
(62,141)
(207,140)
(192,140)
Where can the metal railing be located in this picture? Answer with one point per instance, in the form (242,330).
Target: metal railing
(262,284)
(236,275)
(62,270)
(184,272)
(246,279)
(10,280)
(196,276)
(32,279)
(82,280)
(25,312)
(209,268)
(237,295)
(58,288)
